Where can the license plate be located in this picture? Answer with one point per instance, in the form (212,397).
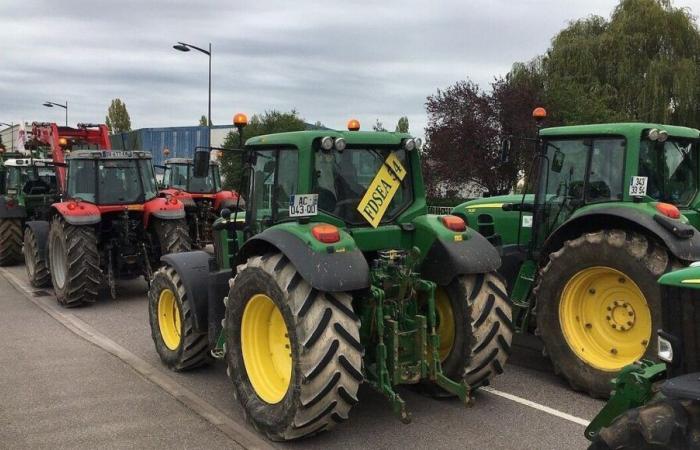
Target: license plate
(303,205)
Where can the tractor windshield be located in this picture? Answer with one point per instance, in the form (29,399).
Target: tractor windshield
(671,168)
(181,176)
(110,182)
(343,178)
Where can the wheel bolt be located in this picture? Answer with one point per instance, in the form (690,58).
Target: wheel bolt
(591,291)
(286,346)
(613,351)
(609,308)
(630,313)
(629,323)
(614,326)
(607,317)
(645,342)
(589,326)
(621,279)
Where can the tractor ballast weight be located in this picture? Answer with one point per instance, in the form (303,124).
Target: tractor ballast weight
(344,300)
(615,206)
(659,403)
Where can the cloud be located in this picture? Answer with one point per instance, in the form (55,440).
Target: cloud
(331,60)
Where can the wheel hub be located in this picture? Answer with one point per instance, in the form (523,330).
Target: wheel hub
(620,315)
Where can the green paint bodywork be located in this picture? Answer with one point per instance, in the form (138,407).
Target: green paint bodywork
(503,227)
(34,205)
(688,278)
(397,314)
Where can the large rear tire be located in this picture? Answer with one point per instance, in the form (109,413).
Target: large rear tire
(665,424)
(475,327)
(10,241)
(311,384)
(179,346)
(36,262)
(598,306)
(74,263)
(172,236)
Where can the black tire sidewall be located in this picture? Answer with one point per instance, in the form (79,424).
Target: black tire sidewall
(269,418)
(160,282)
(29,252)
(562,269)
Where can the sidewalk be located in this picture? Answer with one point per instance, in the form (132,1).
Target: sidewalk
(60,391)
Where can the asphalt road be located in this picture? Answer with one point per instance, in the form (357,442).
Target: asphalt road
(541,413)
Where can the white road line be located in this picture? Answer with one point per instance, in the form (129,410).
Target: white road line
(531,404)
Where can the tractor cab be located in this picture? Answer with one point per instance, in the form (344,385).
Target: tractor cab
(610,208)
(110,177)
(29,176)
(178,174)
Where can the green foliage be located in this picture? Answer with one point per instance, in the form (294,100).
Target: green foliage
(267,123)
(117,119)
(641,65)
(402,125)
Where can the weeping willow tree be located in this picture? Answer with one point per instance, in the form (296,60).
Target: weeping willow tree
(641,65)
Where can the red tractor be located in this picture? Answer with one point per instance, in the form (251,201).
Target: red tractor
(203,197)
(111,222)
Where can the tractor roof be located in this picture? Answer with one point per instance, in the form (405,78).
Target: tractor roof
(26,162)
(186,161)
(108,154)
(303,139)
(631,130)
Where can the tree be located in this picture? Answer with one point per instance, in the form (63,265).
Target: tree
(203,121)
(641,65)
(466,126)
(267,123)
(117,119)
(402,125)
(378,126)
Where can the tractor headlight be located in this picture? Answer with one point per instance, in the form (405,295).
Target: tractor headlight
(663,135)
(409,145)
(340,144)
(327,143)
(653,134)
(419,143)
(665,352)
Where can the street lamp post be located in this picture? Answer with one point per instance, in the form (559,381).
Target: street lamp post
(184,47)
(12,133)
(52,104)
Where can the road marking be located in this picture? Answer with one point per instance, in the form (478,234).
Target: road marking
(235,431)
(531,404)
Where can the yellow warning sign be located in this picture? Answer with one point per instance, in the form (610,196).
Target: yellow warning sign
(381,191)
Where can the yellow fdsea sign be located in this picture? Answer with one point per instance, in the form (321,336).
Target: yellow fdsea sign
(381,191)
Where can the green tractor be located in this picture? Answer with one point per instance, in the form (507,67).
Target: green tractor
(657,405)
(581,255)
(27,189)
(336,276)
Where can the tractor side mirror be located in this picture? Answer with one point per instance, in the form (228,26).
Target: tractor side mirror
(558,161)
(506,145)
(201,162)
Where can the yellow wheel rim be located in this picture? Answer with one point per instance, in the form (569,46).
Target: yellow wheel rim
(605,318)
(446,322)
(169,319)
(267,355)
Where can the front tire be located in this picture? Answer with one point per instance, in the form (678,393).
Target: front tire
(475,327)
(665,424)
(311,384)
(10,241)
(170,314)
(598,306)
(36,262)
(75,263)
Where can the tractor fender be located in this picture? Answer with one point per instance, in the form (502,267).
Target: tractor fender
(323,270)
(162,208)
(681,240)
(227,199)
(78,213)
(40,228)
(11,211)
(447,259)
(193,269)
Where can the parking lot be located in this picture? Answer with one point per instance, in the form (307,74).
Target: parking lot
(147,405)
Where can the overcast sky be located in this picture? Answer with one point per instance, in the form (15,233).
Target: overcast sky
(330,60)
